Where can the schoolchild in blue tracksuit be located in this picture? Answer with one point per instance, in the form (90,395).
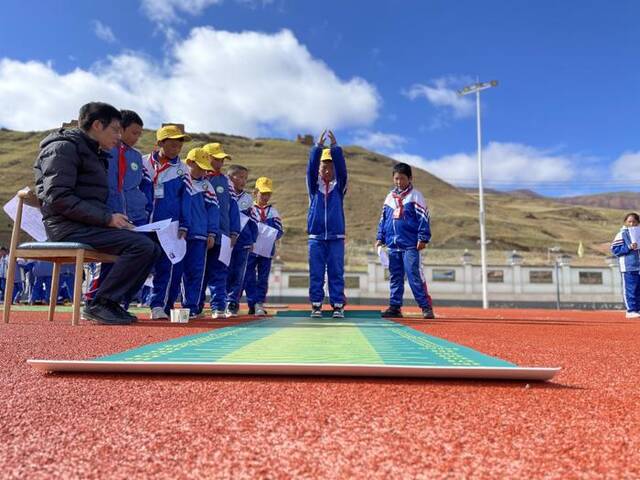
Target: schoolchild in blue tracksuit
(404,229)
(628,255)
(42,272)
(216,272)
(130,187)
(244,244)
(256,282)
(203,229)
(327,186)
(171,200)
(66,282)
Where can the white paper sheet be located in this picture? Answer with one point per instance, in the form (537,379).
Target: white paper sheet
(634,233)
(153,227)
(266,238)
(31,219)
(225,250)
(384,257)
(174,247)
(243,221)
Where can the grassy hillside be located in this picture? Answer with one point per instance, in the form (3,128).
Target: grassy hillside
(513,222)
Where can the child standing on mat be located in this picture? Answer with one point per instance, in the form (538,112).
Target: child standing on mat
(628,255)
(171,199)
(404,229)
(244,244)
(256,282)
(327,186)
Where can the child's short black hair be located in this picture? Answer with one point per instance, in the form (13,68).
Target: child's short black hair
(103,112)
(233,169)
(402,168)
(632,214)
(130,117)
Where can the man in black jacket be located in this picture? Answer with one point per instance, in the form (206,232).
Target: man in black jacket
(72,186)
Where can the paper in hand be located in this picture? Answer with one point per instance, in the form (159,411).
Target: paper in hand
(383,256)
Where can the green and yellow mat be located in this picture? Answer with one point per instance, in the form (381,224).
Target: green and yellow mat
(291,343)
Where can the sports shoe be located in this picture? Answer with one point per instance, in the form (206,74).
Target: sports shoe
(231,310)
(125,313)
(316,310)
(104,312)
(259,310)
(392,312)
(252,310)
(632,315)
(216,314)
(338,311)
(427,312)
(158,313)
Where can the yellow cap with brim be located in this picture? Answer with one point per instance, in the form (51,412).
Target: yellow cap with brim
(264,185)
(326,155)
(200,158)
(215,150)
(171,132)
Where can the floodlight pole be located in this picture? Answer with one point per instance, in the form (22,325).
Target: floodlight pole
(476,88)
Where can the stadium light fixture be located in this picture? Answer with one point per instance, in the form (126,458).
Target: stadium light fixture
(469,89)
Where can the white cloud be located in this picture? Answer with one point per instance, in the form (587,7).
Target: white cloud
(167,12)
(103,32)
(378,140)
(246,83)
(442,92)
(504,164)
(626,168)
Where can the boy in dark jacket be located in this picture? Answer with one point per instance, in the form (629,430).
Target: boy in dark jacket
(404,229)
(327,186)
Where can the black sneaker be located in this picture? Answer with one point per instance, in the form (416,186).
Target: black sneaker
(338,311)
(316,310)
(252,310)
(427,312)
(392,312)
(125,313)
(103,312)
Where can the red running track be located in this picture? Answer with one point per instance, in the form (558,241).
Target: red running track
(586,424)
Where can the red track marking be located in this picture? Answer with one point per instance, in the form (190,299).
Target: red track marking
(585,424)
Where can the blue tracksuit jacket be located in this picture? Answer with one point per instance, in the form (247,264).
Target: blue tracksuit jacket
(249,233)
(205,211)
(325,219)
(135,198)
(404,220)
(629,263)
(228,213)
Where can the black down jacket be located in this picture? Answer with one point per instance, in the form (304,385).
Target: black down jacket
(71,183)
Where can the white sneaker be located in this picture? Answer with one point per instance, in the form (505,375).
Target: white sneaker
(260,309)
(157,313)
(217,314)
(633,315)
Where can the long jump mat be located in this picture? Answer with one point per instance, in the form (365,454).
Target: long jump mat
(291,343)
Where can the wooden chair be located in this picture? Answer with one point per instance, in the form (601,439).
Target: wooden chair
(56,252)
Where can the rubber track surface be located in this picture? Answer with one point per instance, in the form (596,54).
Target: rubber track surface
(586,424)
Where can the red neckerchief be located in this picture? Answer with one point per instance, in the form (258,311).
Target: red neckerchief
(122,165)
(159,168)
(399,198)
(263,211)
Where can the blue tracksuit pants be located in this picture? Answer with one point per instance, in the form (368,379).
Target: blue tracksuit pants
(326,256)
(162,276)
(631,291)
(256,280)
(41,289)
(189,274)
(407,262)
(237,270)
(65,289)
(215,277)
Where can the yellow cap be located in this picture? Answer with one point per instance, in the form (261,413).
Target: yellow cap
(264,185)
(172,132)
(200,157)
(215,150)
(326,155)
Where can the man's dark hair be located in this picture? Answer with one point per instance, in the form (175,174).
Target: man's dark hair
(130,117)
(402,168)
(632,214)
(103,112)
(233,169)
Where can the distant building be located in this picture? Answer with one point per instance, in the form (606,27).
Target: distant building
(306,139)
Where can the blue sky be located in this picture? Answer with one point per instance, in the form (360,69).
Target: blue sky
(563,120)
